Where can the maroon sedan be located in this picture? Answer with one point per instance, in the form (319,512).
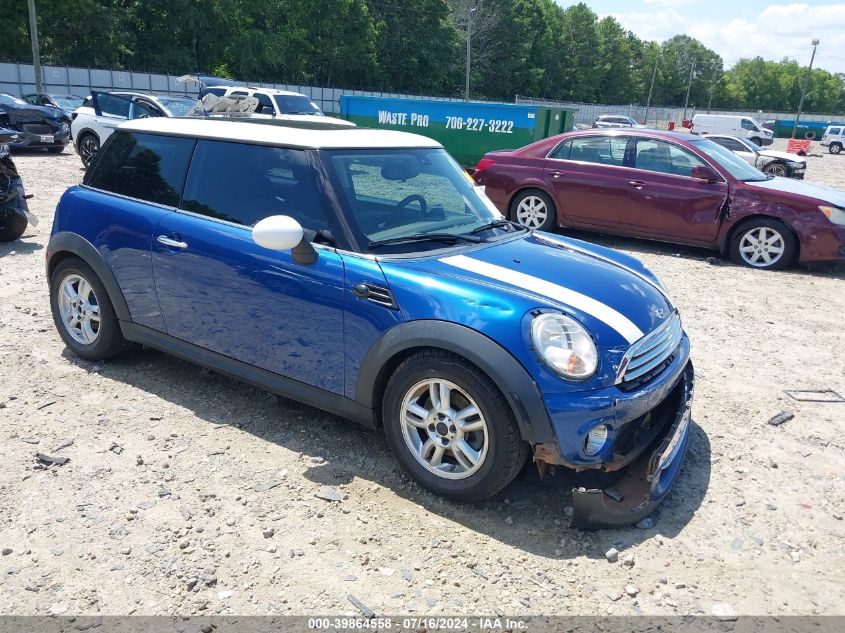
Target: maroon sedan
(666,186)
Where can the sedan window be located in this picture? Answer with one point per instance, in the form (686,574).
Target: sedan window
(729,143)
(604,150)
(665,158)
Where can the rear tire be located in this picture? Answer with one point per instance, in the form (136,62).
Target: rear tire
(465,458)
(834,148)
(763,243)
(83,312)
(533,209)
(12,225)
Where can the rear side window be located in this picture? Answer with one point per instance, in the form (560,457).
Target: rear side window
(562,151)
(246,183)
(145,166)
(604,150)
(835,131)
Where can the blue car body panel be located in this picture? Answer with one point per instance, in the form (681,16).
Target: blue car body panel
(228,294)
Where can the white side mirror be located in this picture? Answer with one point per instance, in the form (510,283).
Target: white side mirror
(278,233)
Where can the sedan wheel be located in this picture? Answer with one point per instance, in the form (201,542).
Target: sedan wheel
(444,429)
(532,212)
(762,247)
(776,169)
(79,309)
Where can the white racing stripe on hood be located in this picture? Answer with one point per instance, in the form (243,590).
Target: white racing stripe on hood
(588,305)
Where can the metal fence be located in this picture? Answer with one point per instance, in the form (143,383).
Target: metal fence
(19,79)
(659,117)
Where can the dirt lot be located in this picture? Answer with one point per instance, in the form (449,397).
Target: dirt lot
(191,493)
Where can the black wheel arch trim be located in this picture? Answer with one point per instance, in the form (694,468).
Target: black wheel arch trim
(500,366)
(66,242)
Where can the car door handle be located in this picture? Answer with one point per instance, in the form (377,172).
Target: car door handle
(557,174)
(167,241)
(636,184)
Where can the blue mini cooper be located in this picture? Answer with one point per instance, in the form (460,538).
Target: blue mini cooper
(362,272)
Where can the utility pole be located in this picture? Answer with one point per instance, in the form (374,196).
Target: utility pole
(689,85)
(815,43)
(712,88)
(470,10)
(651,88)
(36,56)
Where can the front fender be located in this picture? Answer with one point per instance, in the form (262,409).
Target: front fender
(65,242)
(498,364)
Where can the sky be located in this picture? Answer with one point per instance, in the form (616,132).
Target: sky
(739,28)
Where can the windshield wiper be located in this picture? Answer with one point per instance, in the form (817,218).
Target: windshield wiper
(448,238)
(496,224)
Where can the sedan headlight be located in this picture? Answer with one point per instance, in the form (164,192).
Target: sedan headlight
(797,164)
(564,345)
(834,214)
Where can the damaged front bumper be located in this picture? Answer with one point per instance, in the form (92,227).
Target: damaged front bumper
(646,481)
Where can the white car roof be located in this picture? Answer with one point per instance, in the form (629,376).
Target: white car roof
(284,136)
(267,91)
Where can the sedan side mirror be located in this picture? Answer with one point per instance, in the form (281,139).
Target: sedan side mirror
(704,172)
(282,233)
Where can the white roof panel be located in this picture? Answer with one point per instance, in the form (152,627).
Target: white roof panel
(284,136)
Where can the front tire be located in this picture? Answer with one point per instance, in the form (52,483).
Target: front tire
(534,209)
(776,169)
(12,225)
(450,428)
(757,141)
(83,313)
(763,243)
(834,148)
(89,145)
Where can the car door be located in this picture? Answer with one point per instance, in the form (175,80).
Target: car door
(590,180)
(669,203)
(109,112)
(221,291)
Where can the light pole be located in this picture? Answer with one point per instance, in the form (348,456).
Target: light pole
(36,56)
(470,10)
(815,43)
(689,85)
(651,88)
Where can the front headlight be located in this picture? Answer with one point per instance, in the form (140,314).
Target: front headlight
(834,214)
(564,345)
(798,164)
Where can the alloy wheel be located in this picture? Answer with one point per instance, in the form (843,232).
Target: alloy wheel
(761,247)
(776,169)
(87,149)
(79,309)
(444,429)
(532,212)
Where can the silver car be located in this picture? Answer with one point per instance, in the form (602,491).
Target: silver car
(768,161)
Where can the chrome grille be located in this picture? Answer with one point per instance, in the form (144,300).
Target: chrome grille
(651,351)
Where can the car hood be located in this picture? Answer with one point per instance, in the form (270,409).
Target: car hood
(770,153)
(802,188)
(613,295)
(23,113)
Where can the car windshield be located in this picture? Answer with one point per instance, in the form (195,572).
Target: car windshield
(410,200)
(176,106)
(10,100)
(68,102)
(297,104)
(732,163)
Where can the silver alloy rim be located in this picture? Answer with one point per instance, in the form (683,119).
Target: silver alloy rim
(777,170)
(532,212)
(835,149)
(79,309)
(88,148)
(761,247)
(444,429)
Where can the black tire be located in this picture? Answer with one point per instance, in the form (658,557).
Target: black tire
(56,150)
(835,148)
(12,225)
(789,242)
(810,135)
(88,146)
(506,451)
(757,141)
(550,221)
(109,341)
(777,169)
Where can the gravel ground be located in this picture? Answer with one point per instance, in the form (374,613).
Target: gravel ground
(187,492)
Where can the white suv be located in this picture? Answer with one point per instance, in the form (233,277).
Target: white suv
(278,104)
(834,138)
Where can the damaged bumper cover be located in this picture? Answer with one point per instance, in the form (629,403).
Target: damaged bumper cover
(646,481)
